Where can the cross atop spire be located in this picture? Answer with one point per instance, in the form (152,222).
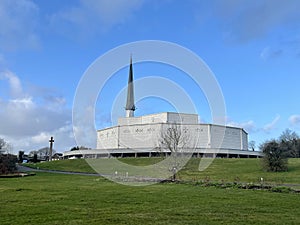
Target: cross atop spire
(130,107)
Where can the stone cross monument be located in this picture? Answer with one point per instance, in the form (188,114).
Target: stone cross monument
(51,148)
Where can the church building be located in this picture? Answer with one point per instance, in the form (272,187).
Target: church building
(141,136)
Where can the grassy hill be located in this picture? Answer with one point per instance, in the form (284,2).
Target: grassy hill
(74,199)
(73,165)
(227,170)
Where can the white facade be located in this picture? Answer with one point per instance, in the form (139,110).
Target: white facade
(144,133)
(165,117)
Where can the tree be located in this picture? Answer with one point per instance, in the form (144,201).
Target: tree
(4,146)
(74,148)
(288,135)
(43,153)
(8,163)
(275,156)
(2,143)
(20,156)
(291,147)
(33,156)
(79,148)
(174,139)
(35,159)
(290,141)
(251,145)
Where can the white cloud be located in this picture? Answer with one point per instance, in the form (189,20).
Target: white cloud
(63,140)
(84,132)
(268,53)
(294,120)
(271,126)
(27,123)
(14,82)
(23,117)
(246,20)
(18,24)
(92,16)
(249,126)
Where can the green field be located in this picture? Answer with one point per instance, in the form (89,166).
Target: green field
(49,198)
(74,199)
(227,170)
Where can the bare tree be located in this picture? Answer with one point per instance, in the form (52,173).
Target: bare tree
(288,135)
(290,142)
(5,147)
(2,143)
(43,153)
(7,161)
(174,138)
(251,145)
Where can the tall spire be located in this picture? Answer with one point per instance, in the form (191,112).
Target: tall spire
(130,107)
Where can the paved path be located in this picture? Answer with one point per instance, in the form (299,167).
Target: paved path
(28,169)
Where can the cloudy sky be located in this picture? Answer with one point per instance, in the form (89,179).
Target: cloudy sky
(252,47)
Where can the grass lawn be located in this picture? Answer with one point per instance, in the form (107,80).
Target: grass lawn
(74,165)
(228,170)
(74,199)
(244,170)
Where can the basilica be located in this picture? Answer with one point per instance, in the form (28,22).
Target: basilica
(141,136)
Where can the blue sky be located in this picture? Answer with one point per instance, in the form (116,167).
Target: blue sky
(252,47)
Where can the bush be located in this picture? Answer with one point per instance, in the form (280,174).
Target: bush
(8,163)
(275,157)
(282,189)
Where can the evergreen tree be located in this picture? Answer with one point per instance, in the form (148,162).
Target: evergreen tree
(275,156)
